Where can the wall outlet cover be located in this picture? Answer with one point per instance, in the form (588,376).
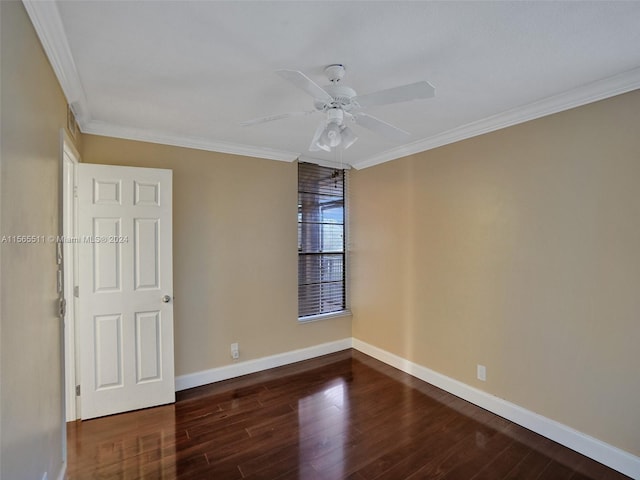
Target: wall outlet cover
(482,373)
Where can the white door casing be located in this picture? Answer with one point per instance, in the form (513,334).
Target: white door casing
(70,164)
(125,319)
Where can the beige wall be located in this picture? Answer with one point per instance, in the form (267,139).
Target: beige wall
(380,253)
(235,260)
(33,110)
(517,250)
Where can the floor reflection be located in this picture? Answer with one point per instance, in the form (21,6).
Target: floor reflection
(323,431)
(147,453)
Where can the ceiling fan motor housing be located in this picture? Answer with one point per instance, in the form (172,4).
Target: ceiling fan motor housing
(341,95)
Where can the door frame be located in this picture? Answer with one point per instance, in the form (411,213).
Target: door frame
(70,158)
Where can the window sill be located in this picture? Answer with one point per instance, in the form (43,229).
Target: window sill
(324,316)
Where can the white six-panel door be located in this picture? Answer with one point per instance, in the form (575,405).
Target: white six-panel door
(125,320)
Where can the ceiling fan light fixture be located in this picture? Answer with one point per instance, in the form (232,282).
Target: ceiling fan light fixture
(330,138)
(321,145)
(348,137)
(335,132)
(332,135)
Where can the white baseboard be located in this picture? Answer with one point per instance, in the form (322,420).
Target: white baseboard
(591,447)
(251,366)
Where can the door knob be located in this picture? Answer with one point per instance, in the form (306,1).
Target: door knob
(166,299)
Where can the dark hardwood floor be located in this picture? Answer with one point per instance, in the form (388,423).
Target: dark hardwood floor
(341,416)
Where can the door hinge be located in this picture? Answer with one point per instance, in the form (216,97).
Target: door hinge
(76,291)
(77,390)
(75,191)
(63,307)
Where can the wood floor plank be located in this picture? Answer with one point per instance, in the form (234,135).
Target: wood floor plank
(529,468)
(557,471)
(343,416)
(504,463)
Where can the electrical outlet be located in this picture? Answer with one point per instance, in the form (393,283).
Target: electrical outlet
(235,352)
(482,373)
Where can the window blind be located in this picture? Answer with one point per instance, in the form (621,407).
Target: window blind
(321,240)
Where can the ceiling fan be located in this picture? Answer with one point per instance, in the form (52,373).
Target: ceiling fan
(341,105)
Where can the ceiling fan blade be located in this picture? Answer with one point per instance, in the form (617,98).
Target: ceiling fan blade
(404,93)
(271,118)
(303,82)
(383,128)
(314,147)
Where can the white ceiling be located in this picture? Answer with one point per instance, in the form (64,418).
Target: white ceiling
(188,72)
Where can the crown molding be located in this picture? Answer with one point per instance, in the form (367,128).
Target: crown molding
(324,162)
(47,23)
(45,17)
(589,93)
(46,20)
(95,127)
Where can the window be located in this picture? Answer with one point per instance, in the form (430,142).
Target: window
(321,240)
